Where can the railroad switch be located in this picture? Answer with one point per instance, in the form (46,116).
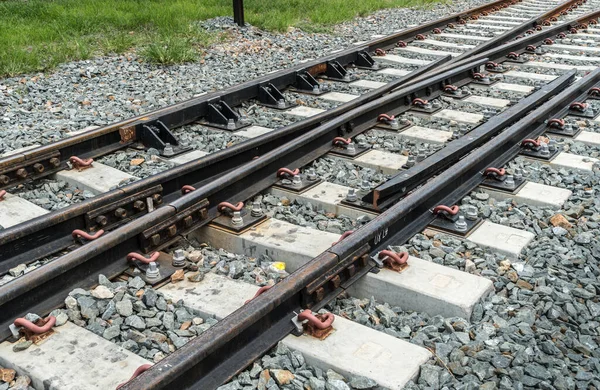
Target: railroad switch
(454,220)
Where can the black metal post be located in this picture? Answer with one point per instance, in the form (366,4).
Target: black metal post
(238,12)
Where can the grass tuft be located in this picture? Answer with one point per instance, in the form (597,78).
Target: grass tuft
(37,35)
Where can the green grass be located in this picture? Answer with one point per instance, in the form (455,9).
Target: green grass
(37,35)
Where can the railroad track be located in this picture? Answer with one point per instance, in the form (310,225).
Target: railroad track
(444,74)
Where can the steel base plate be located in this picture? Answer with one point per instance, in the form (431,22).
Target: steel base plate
(307,92)
(537,155)
(177,150)
(340,80)
(360,205)
(288,105)
(457,96)
(165,267)
(358,150)
(385,126)
(503,69)
(572,132)
(593,97)
(238,125)
(445,225)
(488,83)
(380,66)
(589,113)
(431,110)
(306,184)
(521,60)
(224,222)
(498,185)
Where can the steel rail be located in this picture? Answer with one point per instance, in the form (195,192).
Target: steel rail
(51,233)
(53,230)
(384,195)
(499,53)
(234,342)
(19,168)
(527,27)
(44,288)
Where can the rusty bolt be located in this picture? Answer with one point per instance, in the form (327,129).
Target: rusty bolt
(101,220)
(319,294)
(21,173)
(39,168)
(203,213)
(336,281)
(172,230)
(187,221)
(120,212)
(155,239)
(55,162)
(351,270)
(157,198)
(139,205)
(4,179)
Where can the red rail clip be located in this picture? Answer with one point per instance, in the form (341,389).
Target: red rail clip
(259,292)
(33,328)
(556,123)
(226,205)
(287,172)
(136,256)
(2,193)
(316,322)
(494,172)
(394,261)
(187,189)
(529,143)
(79,163)
(346,234)
(138,371)
(341,140)
(446,210)
(90,237)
